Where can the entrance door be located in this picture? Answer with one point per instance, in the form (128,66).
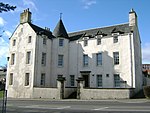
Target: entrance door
(86,80)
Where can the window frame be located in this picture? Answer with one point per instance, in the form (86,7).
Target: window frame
(12,59)
(14,42)
(117,80)
(116,58)
(72,80)
(29,39)
(27,79)
(11,79)
(44,41)
(99,81)
(85,60)
(61,42)
(43,60)
(43,76)
(115,39)
(28,57)
(99,61)
(60,60)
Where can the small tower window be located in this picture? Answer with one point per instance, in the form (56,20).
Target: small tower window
(14,42)
(61,42)
(44,41)
(29,39)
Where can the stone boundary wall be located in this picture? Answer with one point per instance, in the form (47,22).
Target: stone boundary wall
(87,94)
(50,93)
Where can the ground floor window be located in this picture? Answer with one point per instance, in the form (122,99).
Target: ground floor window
(99,81)
(11,79)
(116,80)
(27,79)
(43,79)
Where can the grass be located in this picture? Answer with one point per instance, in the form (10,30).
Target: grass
(1,94)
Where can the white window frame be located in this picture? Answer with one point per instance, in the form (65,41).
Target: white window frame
(61,42)
(27,79)
(12,59)
(28,57)
(116,80)
(85,60)
(99,59)
(99,80)
(60,60)
(116,58)
(29,39)
(43,75)
(11,79)
(72,80)
(43,60)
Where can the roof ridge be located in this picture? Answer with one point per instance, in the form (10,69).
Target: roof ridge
(98,28)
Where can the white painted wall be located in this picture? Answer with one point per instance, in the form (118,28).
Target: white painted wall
(18,89)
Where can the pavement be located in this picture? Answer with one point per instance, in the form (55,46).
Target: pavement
(77,106)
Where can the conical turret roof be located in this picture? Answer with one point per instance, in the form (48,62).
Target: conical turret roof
(60,30)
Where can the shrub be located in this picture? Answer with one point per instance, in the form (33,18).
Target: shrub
(147,91)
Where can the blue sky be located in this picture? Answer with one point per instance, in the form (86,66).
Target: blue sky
(77,15)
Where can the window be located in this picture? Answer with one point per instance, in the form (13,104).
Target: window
(85,42)
(98,41)
(72,79)
(43,79)
(115,39)
(13,59)
(116,58)
(61,42)
(11,79)
(29,39)
(116,80)
(99,59)
(27,79)
(43,62)
(14,42)
(28,57)
(60,60)
(85,60)
(99,81)
(44,41)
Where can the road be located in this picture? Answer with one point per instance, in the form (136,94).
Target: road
(77,106)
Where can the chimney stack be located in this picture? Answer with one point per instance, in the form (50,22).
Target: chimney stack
(132,18)
(25,16)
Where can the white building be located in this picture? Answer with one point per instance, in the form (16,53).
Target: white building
(107,58)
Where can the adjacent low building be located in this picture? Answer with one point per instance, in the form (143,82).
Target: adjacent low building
(97,63)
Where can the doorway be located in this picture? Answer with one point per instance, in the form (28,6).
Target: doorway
(86,80)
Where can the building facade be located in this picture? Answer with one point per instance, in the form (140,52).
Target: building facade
(105,58)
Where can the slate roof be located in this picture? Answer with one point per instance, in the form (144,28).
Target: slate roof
(41,31)
(105,31)
(60,30)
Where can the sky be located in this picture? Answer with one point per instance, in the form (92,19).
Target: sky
(76,15)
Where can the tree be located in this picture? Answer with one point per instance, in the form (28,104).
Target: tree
(6,7)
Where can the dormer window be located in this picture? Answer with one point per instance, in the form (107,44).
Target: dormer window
(44,41)
(98,41)
(115,39)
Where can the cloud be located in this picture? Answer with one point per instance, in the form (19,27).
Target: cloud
(146,53)
(4,47)
(30,4)
(7,34)
(2,21)
(88,3)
